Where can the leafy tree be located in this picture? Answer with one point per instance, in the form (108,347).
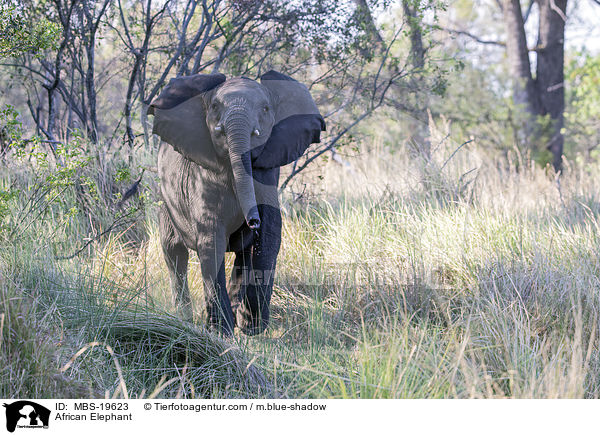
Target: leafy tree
(19,33)
(120,54)
(582,117)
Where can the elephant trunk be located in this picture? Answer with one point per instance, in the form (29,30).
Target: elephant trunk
(238,130)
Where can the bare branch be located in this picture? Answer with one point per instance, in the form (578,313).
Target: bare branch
(473,37)
(556,9)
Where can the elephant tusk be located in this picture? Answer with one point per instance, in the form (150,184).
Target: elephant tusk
(256,132)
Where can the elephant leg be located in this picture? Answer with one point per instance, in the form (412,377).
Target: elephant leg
(239,277)
(176,257)
(218,307)
(253,313)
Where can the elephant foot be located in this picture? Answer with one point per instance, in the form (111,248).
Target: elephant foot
(251,323)
(221,324)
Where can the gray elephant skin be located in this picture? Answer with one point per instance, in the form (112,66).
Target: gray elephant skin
(223,142)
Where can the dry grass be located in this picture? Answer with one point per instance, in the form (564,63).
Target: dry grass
(453,276)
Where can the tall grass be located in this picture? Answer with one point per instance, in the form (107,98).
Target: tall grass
(454,275)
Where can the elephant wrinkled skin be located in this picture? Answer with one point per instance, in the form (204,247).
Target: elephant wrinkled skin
(224,141)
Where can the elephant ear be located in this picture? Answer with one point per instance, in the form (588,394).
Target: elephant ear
(180,117)
(298,122)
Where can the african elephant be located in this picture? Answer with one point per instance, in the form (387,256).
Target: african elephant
(224,141)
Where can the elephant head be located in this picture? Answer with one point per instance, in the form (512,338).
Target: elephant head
(238,123)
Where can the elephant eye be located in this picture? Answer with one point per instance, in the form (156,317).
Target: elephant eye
(266,109)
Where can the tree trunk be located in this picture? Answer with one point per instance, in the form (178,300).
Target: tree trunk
(524,92)
(89,27)
(412,18)
(418,122)
(129,99)
(544,95)
(550,72)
